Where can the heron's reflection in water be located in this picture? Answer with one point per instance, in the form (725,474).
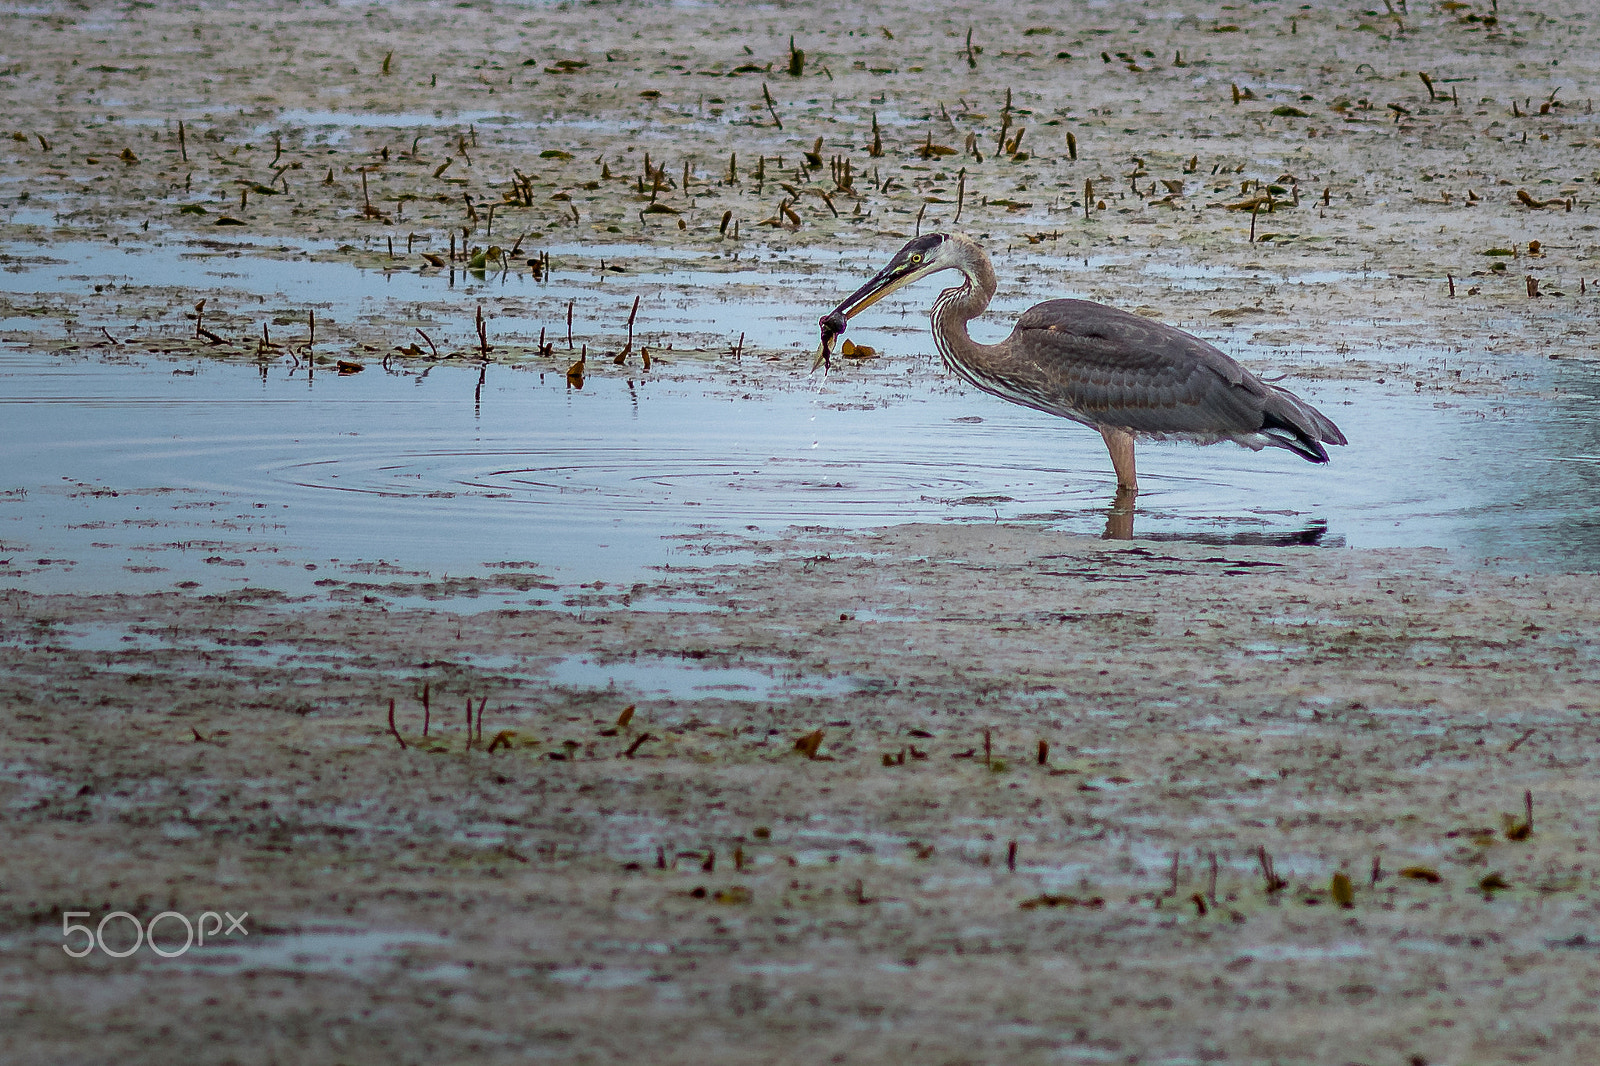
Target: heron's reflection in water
(1119,526)
(1119,519)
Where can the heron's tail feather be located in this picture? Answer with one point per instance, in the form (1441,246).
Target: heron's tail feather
(1289,422)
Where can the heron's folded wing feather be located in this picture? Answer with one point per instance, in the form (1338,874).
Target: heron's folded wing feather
(1108,367)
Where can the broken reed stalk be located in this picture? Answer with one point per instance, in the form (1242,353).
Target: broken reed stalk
(426,711)
(392,729)
(483,335)
(1275,883)
(183,148)
(771,108)
(961,191)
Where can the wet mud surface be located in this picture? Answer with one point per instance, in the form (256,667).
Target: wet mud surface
(936,790)
(799,838)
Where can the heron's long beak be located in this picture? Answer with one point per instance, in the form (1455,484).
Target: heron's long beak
(897,275)
(900,272)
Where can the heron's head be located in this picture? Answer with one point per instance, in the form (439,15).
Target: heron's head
(921,256)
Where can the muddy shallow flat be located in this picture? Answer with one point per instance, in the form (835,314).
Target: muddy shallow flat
(1269,803)
(799,841)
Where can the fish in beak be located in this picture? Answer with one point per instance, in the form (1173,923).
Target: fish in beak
(919,258)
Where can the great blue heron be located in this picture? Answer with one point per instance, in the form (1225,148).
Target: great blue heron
(1126,376)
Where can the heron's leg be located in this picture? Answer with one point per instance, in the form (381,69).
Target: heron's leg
(1120,444)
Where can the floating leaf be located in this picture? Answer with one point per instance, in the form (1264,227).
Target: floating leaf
(1522,195)
(1047,900)
(1422,873)
(808,744)
(554,153)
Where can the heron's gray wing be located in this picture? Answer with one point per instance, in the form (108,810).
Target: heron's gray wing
(1107,367)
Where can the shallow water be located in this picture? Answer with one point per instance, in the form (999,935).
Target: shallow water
(143,473)
(285,277)
(686,679)
(139,474)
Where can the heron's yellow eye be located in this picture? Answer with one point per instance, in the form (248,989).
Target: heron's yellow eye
(916,257)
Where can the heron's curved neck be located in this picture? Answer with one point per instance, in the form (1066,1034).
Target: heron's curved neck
(958,305)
